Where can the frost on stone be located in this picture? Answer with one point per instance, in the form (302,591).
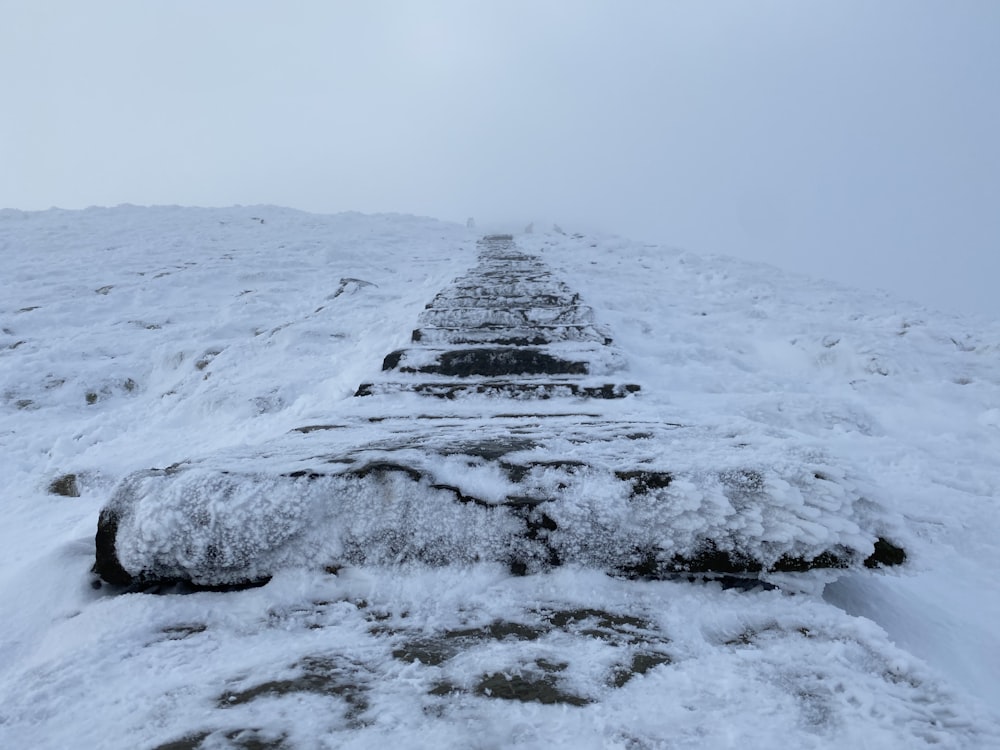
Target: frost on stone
(214,528)
(448,503)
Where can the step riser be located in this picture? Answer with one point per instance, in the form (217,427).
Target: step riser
(520,391)
(470,317)
(387,513)
(509,336)
(502,302)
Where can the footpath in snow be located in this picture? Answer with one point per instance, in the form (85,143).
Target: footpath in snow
(492,479)
(491,540)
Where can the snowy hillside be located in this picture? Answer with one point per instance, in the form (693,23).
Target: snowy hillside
(207,339)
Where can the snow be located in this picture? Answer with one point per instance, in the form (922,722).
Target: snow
(137,338)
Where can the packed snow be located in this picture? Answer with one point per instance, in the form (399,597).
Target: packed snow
(139,343)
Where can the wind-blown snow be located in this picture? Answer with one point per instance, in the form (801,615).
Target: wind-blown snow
(134,338)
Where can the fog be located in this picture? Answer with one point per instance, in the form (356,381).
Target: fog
(851,140)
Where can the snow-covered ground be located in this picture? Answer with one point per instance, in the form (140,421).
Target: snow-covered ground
(133,338)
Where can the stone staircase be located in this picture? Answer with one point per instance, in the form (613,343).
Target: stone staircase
(505,432)
(505,328)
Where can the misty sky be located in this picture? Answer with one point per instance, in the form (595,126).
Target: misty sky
(857,140)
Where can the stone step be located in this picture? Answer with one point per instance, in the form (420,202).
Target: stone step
(520,389)
(537,335)
(527,491)
(485,292)
(502,361)
(549,298)
(476,317)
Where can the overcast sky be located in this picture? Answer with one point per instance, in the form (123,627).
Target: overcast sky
(857,140)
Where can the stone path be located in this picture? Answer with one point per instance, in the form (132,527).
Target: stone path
(499,434)
(508,328)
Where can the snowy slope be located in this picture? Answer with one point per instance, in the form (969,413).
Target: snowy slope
(133,338)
